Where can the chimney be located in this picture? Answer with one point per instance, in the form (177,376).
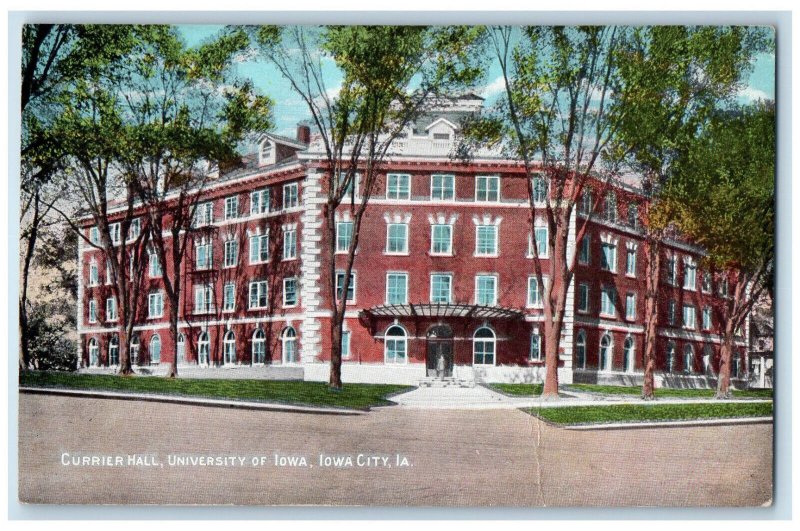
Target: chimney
(303,134)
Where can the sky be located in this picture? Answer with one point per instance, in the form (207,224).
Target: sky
(289,109)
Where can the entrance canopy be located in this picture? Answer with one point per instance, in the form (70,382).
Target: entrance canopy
(458,310)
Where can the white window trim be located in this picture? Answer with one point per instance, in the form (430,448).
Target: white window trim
(224,286)
(352,283)
(386,346)
(452,179)
(495,177)
(431,252)
(343,251)
(546,191)
(116,310)
(629,317)
(396,273)
(684,324)
(613,291)
(237,213)
(296,195)
(210,307)
(546,253)
(250,245)
(496,287)
(96,280)
(293,247)
(707,311)
(588,296)
(386,250)
(92,318)
(528,303)
(496,252)
(535,333)
(631,251)
(449,291)
(485,340)
(296,292)
(150,296)
(250,300)
(398,198)
(225,253)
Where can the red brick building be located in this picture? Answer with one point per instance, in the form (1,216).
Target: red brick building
(442,281)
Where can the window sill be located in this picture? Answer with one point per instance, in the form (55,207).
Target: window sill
(583,312)
(608,315)
(153,317)
(534,306)
(206,312)
(431,253)
(257,309)
(232,310)
(258,263)
(495,255)
(628,275)
(388,253)
(541,256)
(289,306)
(292,259)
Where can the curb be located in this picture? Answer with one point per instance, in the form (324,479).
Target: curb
(182,400)
(668,424)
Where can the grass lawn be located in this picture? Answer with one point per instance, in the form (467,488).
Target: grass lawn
(674,393)
(518,389)
(650,412)
(357,396)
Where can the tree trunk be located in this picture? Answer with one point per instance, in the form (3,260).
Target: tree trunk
(172,370)
(24,340)
(726,357)
(335,380)
(652,277)
(125,367)
(554,306)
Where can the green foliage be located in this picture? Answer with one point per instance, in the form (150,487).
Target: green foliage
(650,412)
(518,389)
(48,331)
(357,396)
(666,392)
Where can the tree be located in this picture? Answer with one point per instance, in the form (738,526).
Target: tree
(391,74)
(561,108)
(676,77)
(722,196)
(180,117)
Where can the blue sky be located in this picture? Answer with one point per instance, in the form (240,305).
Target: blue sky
(289,109)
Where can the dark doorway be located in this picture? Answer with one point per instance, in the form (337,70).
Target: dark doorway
(440,351)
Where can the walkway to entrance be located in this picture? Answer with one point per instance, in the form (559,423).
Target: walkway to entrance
(477,397)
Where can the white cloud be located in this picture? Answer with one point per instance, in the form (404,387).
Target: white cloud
(753,94)
(494,88)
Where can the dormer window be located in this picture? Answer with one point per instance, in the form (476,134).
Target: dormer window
(266,150)
(267,153)
(441,136)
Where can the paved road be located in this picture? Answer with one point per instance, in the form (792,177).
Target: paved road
(457,457)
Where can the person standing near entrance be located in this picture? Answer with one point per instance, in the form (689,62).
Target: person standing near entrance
(440,366)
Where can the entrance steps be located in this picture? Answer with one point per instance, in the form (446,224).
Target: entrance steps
(439,383)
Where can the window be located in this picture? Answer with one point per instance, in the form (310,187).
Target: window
(707,318)
(443,187)
(344,234)
(540,238)
(111,309)
(706,282)
(289,345)
(441,288)
(630,262)
(203,298)
(92,311)
(441,136)
(688,316)
(608,297)
(583,297)
(258,295)
(181,348)
(585,253)
(232,207)
(585,204)
(608,256)
(536,346)
(672,312)
(155,305)
(114,231)
(486,290)
(487,188)
(688,359)
(155,349)
(290,198)
(94,353)
(203,255)
(94,275)
(231,248)
(610,207)
(350,185)
(259,348)
(290,244)
(94,235)
(290,291)
(628,353)
(229,297)
(633,215)
(153,265)
(266,150)
(723,287)
(580,350)
(671,356)
(113,350)
(203,349)
(486,240)
(397,288)
(442,239)
(398,186)
(229,348)
(630,306)
(689,275)
(395,345)
(539,186)
(483,346)
(535,291)
(259,201)
(135,229)
(259,248)
(397,238)
(672,270)
(204,214)
(108,271)
(351,286)
(345,343)
(606,352)
(134,350)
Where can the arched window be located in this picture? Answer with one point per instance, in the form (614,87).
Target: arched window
(395,345)
(289,344)
(688,359)
(606,352)
(580,349)
(229,348)
(629,351)
(94,353)
(610,206)
(259,354)
(536,346)
(155,349)
(181,348)
(708,356)
(203,349)
(735,364)
(483,346)
(135,349)
(113,350)
(670,356)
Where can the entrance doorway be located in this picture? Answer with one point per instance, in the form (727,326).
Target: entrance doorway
(439,359)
